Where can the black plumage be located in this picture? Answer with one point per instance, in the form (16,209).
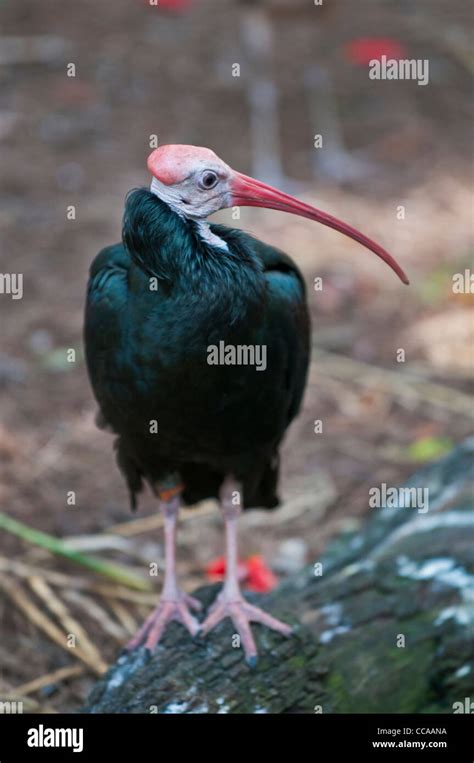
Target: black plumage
(155,304)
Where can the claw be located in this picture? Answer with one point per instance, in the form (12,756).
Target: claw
(242,614)
(167,610)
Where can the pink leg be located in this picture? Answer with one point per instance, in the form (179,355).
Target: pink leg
(230,602)
(174,603)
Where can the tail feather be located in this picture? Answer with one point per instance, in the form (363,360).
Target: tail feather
(200,481)
(131,472)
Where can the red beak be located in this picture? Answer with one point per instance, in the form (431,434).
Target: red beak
(247,192)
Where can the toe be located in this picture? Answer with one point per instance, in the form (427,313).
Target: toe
(241,614)
(257,615)
(168,609)
(245,632)
(188,620)
(192,602)
(214,617)
(156,630)
(141,633)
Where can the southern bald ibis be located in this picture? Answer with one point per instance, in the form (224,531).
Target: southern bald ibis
(158,305)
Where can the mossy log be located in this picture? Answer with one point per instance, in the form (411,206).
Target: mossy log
(387,626)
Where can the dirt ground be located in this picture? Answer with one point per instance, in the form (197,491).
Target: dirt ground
(83,141)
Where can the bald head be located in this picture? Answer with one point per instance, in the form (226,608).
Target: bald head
(174,163)
(192,180)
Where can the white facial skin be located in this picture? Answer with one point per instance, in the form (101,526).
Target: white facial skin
(205,191)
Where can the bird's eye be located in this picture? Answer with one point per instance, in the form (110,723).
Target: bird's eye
(208,180)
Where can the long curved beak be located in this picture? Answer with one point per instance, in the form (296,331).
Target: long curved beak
(246,191)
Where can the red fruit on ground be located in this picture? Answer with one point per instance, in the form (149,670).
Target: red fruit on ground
(260,578)
(365,49)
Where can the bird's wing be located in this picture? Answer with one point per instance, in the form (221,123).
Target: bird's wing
(288,314)
(105,317)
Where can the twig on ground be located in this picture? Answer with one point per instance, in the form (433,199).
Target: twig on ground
(68,622)
(19,597)
(405,386)
(153,522)
(70,671)
(95,611)
(123,615)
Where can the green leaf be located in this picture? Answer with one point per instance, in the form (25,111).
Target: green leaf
(428,448)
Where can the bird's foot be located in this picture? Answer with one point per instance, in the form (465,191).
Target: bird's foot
(176,608)
(242,614)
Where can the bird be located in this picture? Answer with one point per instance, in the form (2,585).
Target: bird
(197,344)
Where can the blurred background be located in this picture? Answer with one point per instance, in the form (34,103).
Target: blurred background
(395,162)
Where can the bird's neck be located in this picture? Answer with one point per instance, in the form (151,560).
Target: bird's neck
(172,198)
(208,237)
(185,253)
